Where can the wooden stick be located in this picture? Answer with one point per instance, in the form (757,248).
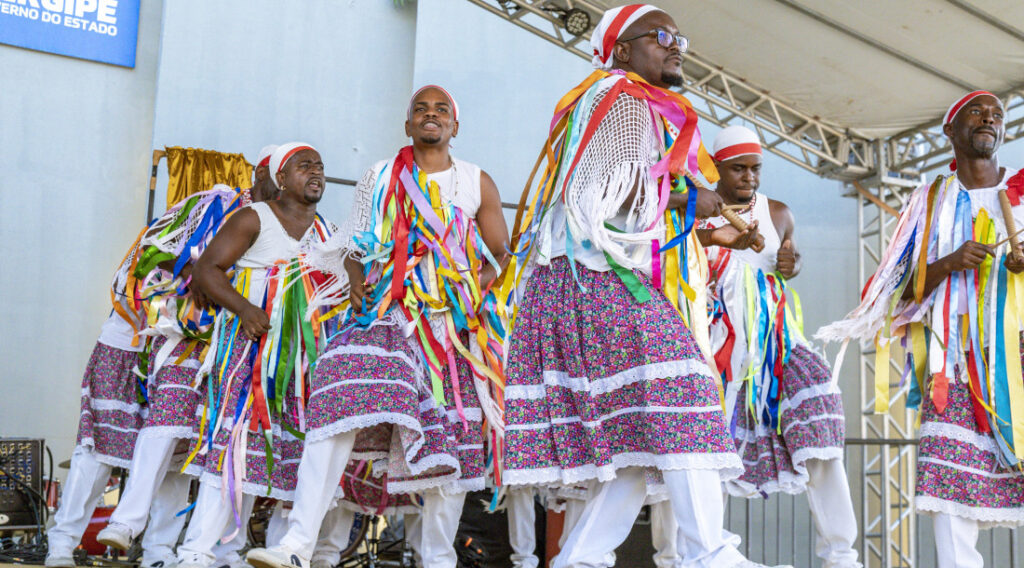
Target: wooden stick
(741,225)
(1013,236)
(1011,226)
(730,215)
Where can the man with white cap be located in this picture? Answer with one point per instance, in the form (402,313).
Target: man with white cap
(163,263)
(607,386)
(949,288)
(786,412)
(412,375)
(114,407)
(263,344)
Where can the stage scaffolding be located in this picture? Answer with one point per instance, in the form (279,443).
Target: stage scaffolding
(880,174)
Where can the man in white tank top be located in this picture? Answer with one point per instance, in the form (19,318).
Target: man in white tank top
(100,429)
(786,414)
(946,290)
(403,378)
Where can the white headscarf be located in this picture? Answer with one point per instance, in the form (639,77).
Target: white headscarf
(610,28)
(281,156)
(451,99)
(735,141)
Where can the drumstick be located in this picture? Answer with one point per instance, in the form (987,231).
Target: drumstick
(1011,227)
(733,218)
(1013,236)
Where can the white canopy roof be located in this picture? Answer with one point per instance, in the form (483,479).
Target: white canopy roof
(878,67)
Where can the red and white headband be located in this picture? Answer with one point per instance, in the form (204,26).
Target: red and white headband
(451,99)
(610,28)
(958,105)
(263,158)
(962,102)
(282,154)
(735,141)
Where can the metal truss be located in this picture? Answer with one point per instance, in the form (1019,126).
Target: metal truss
(887,484)
(816,145)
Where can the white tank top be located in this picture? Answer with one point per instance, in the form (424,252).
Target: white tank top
(273,244)
(460,185)
(764,260)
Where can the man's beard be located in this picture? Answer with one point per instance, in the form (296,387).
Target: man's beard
(672,79)
(430,139)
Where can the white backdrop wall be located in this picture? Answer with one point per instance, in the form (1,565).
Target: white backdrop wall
(76,137)
(239,74)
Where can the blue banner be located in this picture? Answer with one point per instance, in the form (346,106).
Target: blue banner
(98,30)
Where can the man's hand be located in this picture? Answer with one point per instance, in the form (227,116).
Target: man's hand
(1014,262)
(356,292)
(730,237)
(199,299)
(709,203)
(969,256)
(786,259)
(255,322)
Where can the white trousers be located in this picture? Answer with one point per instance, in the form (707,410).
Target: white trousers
(334,534)
(664,529)
(86,480)
(278,523)
(828,494)
(150,461)
(955,542)
(323,463)
(609,515)
(414,535)
(522,528)
(165,525)
(439,521)
(212,519)
(87,477)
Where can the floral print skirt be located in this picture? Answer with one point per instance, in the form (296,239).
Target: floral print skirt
(598,382)
(111,413)
(811,426)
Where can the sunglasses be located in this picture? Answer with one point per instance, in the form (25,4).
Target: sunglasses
(665,39)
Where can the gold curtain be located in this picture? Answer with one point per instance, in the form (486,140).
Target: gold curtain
(193,170)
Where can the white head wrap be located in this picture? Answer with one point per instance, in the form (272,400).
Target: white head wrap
(610,28)
(451,99)
(263,158)
(959,104)
(735,141)
(962,102)
(281,156)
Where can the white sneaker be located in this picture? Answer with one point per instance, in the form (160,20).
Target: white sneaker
(322,562)
(752,564)
(115,535)
(278,556)
(60,557)
(191,560)
(171,562)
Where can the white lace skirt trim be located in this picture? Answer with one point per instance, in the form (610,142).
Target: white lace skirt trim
(609,384)
(788,482)
(987,517)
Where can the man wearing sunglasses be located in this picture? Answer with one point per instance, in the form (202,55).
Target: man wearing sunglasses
(609,382)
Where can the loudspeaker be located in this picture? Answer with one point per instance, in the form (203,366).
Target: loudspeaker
(20,474)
